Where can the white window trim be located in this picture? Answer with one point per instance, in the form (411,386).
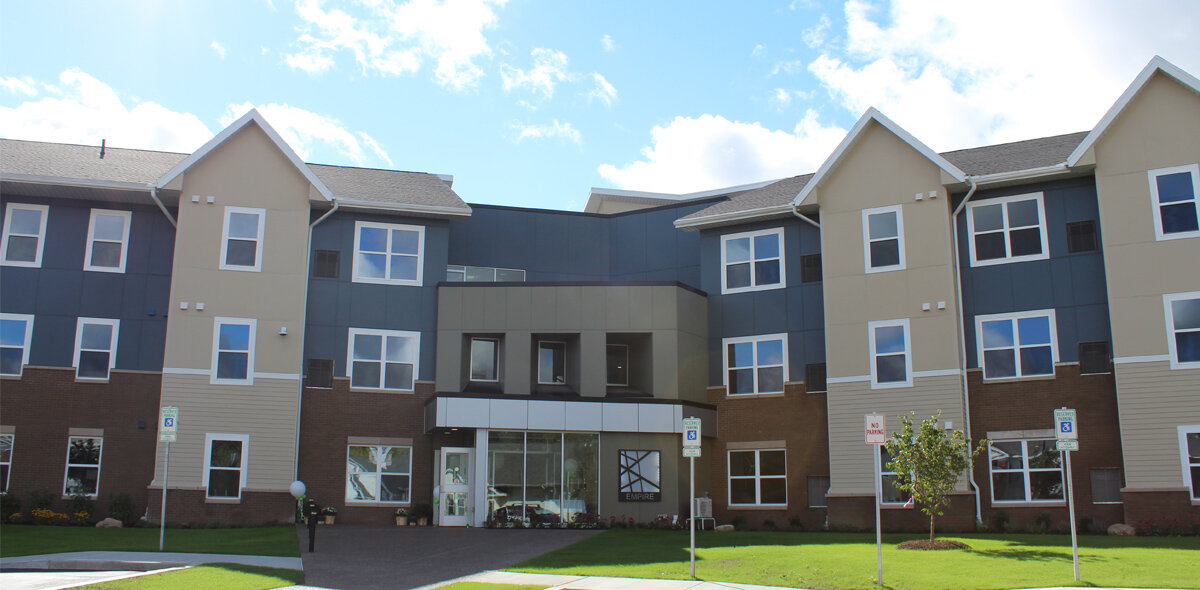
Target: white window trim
(980,319)
(377,501)
(866,230)
(416,363)
(1026,470)
(258,242)
(471,361)
(908,361)
(69,464)
(1043,255)
(608,383)
(538,358)
(725,342)
(1183,458)
(12,449)
(757,477)
(778,231)
(112,345)
(91,240)
(420,229)
(1173,352)
(1153,175)
(884,471)
(216,343)
(8,211)
(245,459)
(28,319)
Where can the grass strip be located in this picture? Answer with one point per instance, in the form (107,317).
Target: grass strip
(213,576)
(37,540)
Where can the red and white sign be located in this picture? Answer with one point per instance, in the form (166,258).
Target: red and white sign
(876,429)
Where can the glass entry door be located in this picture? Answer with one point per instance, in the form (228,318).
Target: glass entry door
(455,476)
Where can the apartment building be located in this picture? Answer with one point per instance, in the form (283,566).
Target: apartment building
(371,334)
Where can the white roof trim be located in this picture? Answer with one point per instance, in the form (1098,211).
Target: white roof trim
(76,182)
(732,217)
(873,114)
(605,194)
(1157,64)
(464,211)
(255,116)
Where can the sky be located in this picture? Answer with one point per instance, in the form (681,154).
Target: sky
(531,103)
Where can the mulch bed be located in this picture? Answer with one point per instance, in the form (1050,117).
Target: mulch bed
(926,544)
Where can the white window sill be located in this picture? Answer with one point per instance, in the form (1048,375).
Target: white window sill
(1178,236)
(1049,377)
(1038,504)
(753,395)
(752,288)
(222,500)
(380,390)
(757,506)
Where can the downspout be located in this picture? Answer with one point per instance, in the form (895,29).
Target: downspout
(962,340)
(797,213)
(154,195)
(307,275)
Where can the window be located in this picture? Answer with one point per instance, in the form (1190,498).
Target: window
(755,364)
(83,466)
(225,470)
(233,350)
(6,450)
(810,268)
(1026,471)
(485,359)
(95,347)
(327,264)
(108,241)
(378,473)
(320,373)
(758,478)
(388,254)
(1174,193)
(552,363)
(891,363)
(242,240)
(752,261)
(15,332)
(383,359)
(815,377)
(1189,454)
(483,274)
(1094,358)
(1183,329)
(1081,237)
(24,234)
(1007,229)
(883,239)
(888,479)
(818,486)
(1014,345)
(1106,486)
(618,364)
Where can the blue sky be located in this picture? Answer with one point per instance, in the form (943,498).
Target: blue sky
(532,102)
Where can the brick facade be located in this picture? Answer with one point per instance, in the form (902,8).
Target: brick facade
(254,508)
(858,513)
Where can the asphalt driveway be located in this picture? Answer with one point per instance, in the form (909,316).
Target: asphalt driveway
(353,557)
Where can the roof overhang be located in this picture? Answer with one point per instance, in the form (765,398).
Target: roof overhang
(598,195)
(409,208)
(734,217)
(78,188)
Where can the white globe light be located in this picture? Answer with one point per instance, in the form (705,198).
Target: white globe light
(297,488)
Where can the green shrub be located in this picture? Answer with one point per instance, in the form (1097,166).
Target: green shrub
(796,523)
(10,504)
(998,522)
(120,507)
(739,522)
(41,499)
(769,525)
(80,509)
(1042,523)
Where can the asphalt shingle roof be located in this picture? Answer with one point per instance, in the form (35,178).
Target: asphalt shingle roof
(388,186)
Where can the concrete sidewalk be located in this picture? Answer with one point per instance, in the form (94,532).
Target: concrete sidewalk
(561,582)
(138,561)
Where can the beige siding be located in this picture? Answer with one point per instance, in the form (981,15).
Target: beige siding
(266,411)
(1153,401)
(850,462)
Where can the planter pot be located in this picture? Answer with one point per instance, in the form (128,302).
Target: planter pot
(401,521)
(423,521)
(329,518)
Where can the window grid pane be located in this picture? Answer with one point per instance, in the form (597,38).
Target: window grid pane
(756,366)
(1026,471)
(753,260)
(757,477)
(378,473)
(83,466)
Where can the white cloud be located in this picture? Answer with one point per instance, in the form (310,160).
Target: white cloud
(815,35)
(788,67)
(556,130)
(217,47)
(758,51)
(549,68)
(710,151)
(86,110)
(24,85)
(959,74)
(607,43)
(392,39)
(604,92)
(782,97)
(306,131)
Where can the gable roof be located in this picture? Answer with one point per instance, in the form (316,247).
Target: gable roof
(772,199)
(1156,65)
(416,192)
(253,116)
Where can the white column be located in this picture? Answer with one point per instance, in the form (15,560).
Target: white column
(479,506)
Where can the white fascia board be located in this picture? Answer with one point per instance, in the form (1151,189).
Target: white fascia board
(731,217)
(406,208)
(1016,175)
(75,182)
(604,193)
(1157,64)
(256,117)
(873,114)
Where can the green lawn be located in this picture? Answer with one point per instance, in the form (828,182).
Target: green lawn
(847,560)
(214,576)
(35,540)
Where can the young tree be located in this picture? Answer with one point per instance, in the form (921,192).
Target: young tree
(929,461)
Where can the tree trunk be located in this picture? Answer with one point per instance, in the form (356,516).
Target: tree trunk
(931,528)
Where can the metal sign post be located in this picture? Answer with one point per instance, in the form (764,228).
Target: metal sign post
(875,430)
(1067,439)
(168,430)
(691,450)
